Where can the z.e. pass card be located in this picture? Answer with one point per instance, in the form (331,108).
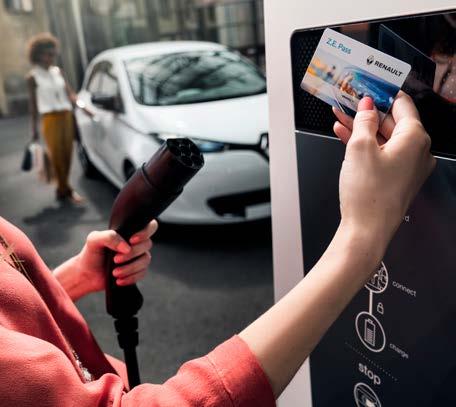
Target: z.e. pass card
(342,71)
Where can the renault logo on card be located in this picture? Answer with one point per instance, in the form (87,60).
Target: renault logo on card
(371,60)
(385,67)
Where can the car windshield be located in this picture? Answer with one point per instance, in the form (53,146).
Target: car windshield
(192,77)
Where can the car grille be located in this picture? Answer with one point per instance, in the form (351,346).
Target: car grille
(236,204)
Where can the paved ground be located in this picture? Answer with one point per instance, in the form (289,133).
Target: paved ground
(206,283)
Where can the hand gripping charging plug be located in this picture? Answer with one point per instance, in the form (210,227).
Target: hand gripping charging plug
(145,196)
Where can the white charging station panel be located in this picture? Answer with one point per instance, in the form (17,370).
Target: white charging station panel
(395,343)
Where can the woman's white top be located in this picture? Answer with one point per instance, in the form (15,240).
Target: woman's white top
(51,94)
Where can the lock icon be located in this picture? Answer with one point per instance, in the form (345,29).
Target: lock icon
(380,308)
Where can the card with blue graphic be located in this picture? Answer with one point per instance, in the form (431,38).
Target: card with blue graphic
(342,71)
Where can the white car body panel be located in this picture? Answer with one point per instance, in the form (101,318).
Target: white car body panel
(239,120)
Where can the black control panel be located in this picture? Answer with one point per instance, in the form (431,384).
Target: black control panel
(395,344)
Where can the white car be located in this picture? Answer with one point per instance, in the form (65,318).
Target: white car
(143,94)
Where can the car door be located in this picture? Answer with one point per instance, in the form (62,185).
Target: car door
(110,146)
(89,124)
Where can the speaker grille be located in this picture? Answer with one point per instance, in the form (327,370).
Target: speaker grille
(310,112)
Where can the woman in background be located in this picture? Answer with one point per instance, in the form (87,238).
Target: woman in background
(52,100)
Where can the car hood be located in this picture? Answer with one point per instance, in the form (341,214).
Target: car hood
(237,120)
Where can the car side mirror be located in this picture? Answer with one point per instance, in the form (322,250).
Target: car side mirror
(106,102)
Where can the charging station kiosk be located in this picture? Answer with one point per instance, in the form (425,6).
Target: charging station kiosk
(395,344)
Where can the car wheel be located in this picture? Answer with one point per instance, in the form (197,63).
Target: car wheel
(129,170)
(89,170)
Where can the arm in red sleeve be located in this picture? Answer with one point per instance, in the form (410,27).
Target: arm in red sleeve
(229,376)
(35,372)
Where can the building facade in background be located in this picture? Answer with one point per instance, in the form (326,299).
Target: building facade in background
(19,20)
(235,23)
(87,27)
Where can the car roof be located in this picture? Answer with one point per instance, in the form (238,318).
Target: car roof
(157,48)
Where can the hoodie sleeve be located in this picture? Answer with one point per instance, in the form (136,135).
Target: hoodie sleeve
(35,372)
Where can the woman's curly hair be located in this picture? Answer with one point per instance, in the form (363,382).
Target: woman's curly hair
(40,43)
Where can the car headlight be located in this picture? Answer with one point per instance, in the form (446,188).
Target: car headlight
(205,146)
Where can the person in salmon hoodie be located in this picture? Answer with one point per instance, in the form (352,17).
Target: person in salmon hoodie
(49,358)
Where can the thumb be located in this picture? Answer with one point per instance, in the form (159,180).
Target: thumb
(365,124)
(108,239)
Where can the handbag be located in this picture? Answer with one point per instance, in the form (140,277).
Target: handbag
(36,159)
(27,159)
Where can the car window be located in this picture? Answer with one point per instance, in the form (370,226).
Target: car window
(94,82)
(103,80)
(109,85)
(192,77)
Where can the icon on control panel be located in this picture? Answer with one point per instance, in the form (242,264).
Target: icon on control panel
(370,332)
(379,281)
(365,396)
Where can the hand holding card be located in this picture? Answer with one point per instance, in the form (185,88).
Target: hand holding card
(403,106)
